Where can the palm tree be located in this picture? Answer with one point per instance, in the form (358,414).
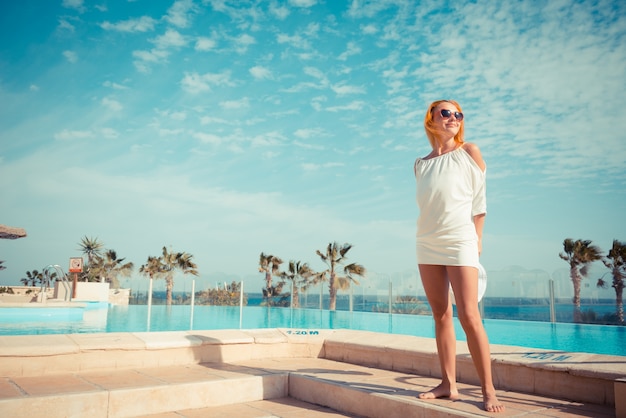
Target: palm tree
(33,278)
(153,270)
(166,265)
(110,268)
(579,254)
(301,277)
(335,256)
(616,262)
(270,265)
(92,248)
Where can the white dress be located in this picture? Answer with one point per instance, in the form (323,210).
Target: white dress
(450,192)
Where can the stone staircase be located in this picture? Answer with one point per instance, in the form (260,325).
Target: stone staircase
(286,373)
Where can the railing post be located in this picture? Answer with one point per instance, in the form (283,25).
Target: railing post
(321,294)
(390,306)
(351,296)
(291,305)
(390,296)
(149,304)
(240,304)
(552,309)
(193,300)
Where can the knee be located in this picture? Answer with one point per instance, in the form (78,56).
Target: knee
(470,322)
(443,317)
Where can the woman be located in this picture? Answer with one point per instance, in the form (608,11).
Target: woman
(452,204)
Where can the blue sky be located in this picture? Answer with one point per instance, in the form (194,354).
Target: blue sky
(230,128)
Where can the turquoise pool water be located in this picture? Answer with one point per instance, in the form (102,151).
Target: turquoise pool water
(599,339)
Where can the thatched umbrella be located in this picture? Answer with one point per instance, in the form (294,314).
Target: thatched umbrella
(7,232)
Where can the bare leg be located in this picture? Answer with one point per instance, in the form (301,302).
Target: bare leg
(434,279)
(464,281)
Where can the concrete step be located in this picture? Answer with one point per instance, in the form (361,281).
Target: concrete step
(369,392)
(357,373)
(271,408)
(136,392)
(279,387)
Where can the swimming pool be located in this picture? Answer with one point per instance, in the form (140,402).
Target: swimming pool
(600,339)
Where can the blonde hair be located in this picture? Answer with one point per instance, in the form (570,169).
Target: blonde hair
(428,123)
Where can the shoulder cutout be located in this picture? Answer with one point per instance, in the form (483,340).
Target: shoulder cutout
(474,152)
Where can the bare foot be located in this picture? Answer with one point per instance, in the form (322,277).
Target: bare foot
(492,404)
(440,391)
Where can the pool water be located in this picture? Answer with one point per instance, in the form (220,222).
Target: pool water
(600,339)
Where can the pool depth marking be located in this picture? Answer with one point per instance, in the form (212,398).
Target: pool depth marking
(302,332)
(548,356)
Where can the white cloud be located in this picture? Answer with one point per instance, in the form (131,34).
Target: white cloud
(174,115)
(70,56)
(369,29)
(316,102)
(109,133)
(293,40)
(178,13)
(114,86)
(310,133)
(170,39)
(303,3)
(197,83)
(308,56)
(74,4)
(267,139)
(65,25)
(207,138)
(180,116)
(205,44)
(260,72)
(307,146)
(171,132)
(281,12)
(312,29)
(145,57)
(315,72)
(242,42)
(235,104)
(209,120)
(154,55)
(68,135)
(142,24)
(355,105)
(351,49)
(343,89)
(33,87)
(369,8)
(112,104)
(317,167)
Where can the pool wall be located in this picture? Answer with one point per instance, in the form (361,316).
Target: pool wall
(575,376)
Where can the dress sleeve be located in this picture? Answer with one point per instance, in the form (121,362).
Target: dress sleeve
(415,166)
(479,203)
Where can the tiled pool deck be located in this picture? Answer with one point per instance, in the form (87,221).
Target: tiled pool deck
(290,374)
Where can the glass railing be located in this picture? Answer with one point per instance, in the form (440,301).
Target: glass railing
(526,295)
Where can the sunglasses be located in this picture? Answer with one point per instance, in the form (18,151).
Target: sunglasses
(447,113)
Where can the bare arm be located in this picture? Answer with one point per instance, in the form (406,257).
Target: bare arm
(479,223)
